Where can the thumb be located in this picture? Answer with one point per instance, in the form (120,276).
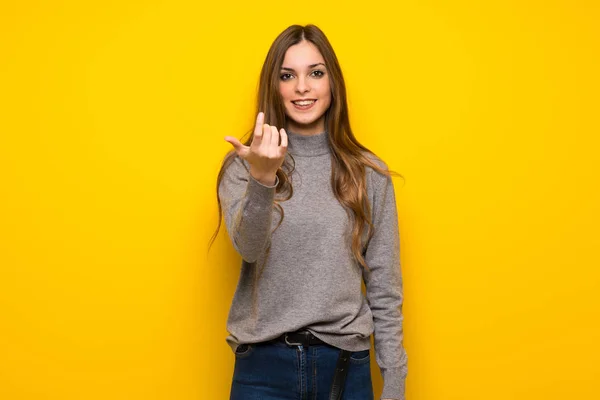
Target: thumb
(240,149)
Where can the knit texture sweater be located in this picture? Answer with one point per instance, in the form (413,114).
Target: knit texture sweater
(310,278)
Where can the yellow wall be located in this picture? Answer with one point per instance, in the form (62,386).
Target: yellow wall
(112,118)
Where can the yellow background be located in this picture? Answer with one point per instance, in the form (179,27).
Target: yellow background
(112,118)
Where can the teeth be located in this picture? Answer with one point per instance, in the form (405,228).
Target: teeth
(304,103)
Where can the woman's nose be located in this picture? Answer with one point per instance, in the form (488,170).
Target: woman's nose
(302,86)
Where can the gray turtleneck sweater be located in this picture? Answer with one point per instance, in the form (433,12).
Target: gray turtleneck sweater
(310,277)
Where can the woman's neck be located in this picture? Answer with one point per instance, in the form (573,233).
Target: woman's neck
(308,145)
(314,128)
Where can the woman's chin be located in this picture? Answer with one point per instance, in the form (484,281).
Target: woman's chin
(304,123)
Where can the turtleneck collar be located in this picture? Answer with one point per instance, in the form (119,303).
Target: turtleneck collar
(308,145)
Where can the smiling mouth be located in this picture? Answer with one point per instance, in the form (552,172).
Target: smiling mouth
(303,102)
(303,105)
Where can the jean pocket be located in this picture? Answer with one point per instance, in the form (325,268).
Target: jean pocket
(243,350)
(360,357)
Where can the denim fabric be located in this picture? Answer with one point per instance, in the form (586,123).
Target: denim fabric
(275,371)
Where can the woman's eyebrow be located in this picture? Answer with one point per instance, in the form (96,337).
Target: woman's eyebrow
(310,66)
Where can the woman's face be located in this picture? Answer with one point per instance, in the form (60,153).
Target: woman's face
(305,90)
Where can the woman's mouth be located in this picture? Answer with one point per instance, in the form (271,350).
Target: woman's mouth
(304,104)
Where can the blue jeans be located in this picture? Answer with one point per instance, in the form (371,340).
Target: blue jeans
(275,371)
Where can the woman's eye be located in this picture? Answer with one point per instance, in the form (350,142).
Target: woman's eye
(285,77)
(318,73)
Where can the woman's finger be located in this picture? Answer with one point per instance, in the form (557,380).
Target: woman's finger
(258,130)
(260,119)
(266,137)
(284,140)
(240,149)
(274,137)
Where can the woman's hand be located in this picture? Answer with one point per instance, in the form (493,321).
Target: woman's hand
(265,155)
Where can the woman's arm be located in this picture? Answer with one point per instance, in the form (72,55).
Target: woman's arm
(384,288)
(248,187)
(247,208)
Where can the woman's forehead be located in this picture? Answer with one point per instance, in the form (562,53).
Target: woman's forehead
(302,55)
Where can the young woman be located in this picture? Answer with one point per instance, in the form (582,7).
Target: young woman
(312,213)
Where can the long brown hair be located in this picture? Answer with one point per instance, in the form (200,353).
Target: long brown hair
(349,157)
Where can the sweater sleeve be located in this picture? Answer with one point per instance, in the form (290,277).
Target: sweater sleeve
(247,207)
(383,284)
